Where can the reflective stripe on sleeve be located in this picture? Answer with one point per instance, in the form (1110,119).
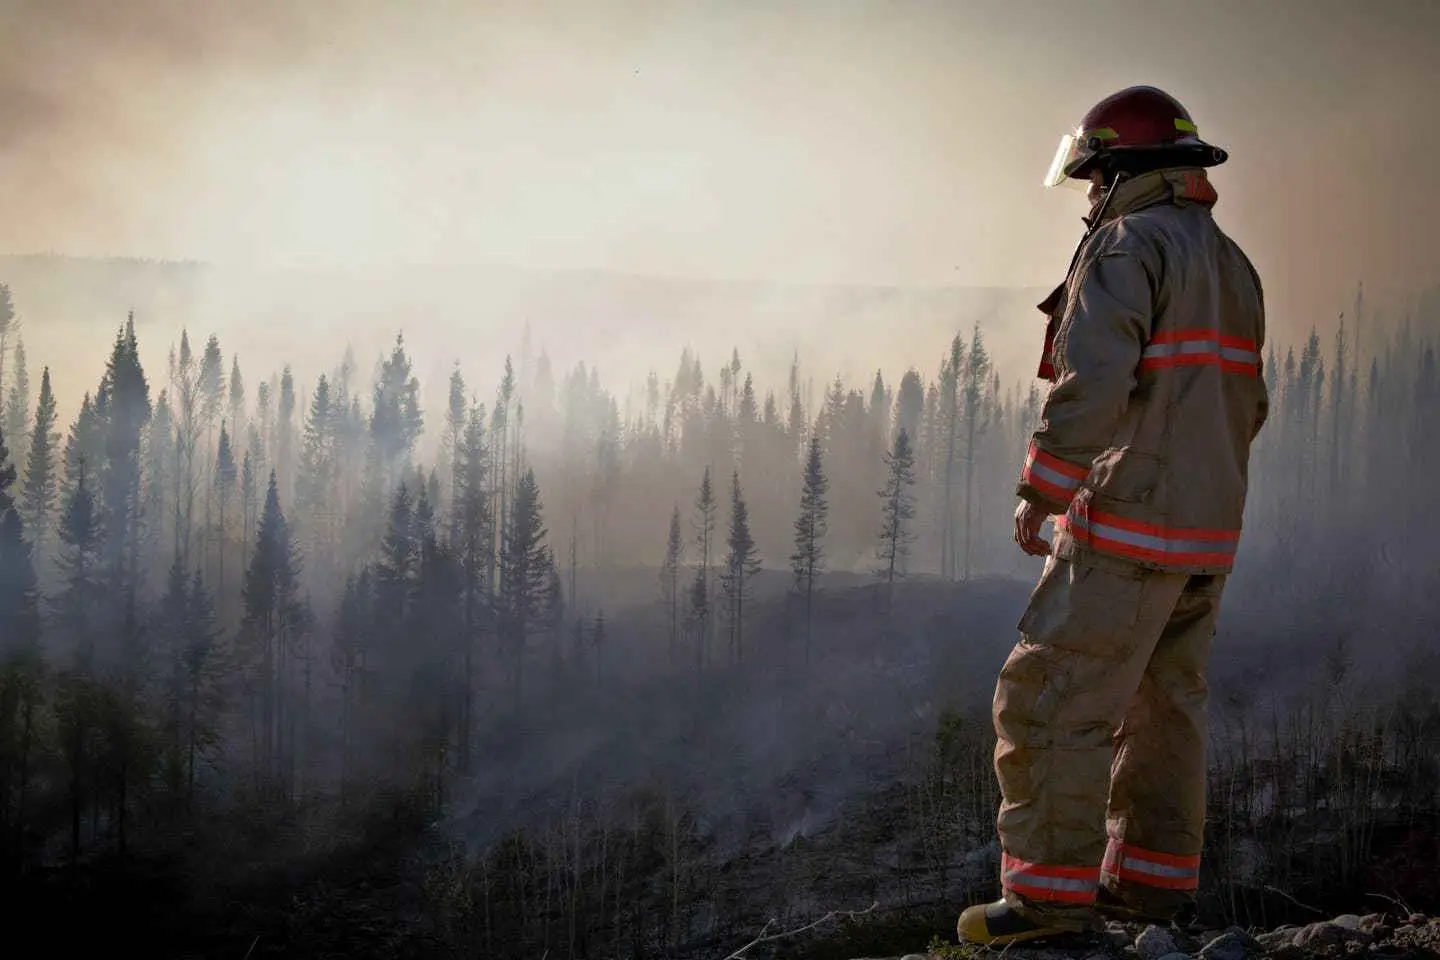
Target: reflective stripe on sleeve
(1107,533)
(1167,871)
(1056,478)
(1188,348)
(1055,884)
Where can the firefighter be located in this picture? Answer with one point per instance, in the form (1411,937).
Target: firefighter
(1153,352)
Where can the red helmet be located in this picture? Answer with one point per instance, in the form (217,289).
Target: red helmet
(1136,129)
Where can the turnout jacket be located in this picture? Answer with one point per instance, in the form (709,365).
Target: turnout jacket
(1154,349)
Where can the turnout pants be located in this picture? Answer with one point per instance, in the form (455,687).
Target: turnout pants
(1100,713)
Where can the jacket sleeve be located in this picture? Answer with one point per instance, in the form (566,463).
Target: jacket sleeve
(1097,359)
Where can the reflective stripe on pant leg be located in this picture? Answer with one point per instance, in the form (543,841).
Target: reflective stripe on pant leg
(1156,816)
(1039,882)
(1087,636)
(1153,869)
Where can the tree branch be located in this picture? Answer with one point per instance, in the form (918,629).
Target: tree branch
(765,936)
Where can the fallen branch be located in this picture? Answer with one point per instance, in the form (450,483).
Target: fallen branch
(1395,900)
(765,935)
(252,946)
(1277,890)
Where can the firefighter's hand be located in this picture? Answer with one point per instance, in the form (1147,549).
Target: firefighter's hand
(1028,521)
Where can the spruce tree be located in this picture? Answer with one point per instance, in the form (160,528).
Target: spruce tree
(741,565)
(81,535)
(40,493)
(670,578)
(237,398)
(19,610)
(225,474)
(17,407)
(897,509)
(808,560)
(315,493)
(471,541)
(524,574)
(7,327)
(274,620)
(704,538)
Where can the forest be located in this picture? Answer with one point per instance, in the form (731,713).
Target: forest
(305,667)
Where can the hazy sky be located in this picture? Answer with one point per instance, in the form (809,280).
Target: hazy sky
(879,142)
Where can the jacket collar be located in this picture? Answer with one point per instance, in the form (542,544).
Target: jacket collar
(1178,185)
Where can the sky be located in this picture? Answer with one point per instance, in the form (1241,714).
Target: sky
(826,142)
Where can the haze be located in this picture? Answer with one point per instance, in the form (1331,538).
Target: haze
(855,143)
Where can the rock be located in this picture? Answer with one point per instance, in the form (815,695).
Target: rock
(1287,951)
(1154,943)
(1276,938)
(1231,945)
(1371,920)
(1177,955)
(1349,921)
(1327,934)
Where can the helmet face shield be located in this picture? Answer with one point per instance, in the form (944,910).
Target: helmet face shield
(1067,153)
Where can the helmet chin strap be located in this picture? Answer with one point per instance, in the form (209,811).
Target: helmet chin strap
(1093,221)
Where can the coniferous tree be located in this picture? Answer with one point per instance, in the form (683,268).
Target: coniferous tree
(315,493)
(741,565)
(897,509)
(523,574)
(474,526)
(212,400)
(185,397)
(704,538)
(17,407)
(456,420)
(225,474)
(977,375)
(248,504)
(7,327)
(40,493)
(275,618)
(349,658)
(952,391)
(808,560)
(237,399)
(670,578)
(285,436)
(21,664)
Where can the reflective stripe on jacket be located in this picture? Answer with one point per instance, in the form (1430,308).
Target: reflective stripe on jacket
(1144,439)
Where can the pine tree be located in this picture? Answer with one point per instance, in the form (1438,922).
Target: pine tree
(17,407)
(21,663)
(248,504)
(274,620)
(39,496)
(225,475)
(125,397)
(7,327)
(473,536)
(285,436)
(524,572)
(808,560)
(670,578)
(704,538)
(741,565)
(81,535)
(237,397)
(977,374)
(456,420)
(185,396)
(19,610)
(315,494)
(952,387)
(212,399)
(897,509)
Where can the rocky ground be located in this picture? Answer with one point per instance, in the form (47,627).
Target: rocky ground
(1376,935)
